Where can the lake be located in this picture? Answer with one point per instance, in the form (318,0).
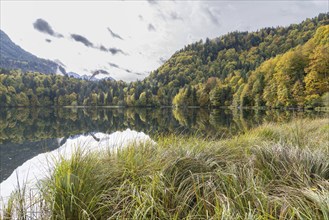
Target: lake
(26,132)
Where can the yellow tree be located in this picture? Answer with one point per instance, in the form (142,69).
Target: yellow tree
(317,78)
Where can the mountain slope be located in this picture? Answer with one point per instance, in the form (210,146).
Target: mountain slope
(230,57)
(295,78)
(14,57)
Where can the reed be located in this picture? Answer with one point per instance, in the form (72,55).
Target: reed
(272,172)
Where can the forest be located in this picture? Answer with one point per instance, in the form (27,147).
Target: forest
(278,67)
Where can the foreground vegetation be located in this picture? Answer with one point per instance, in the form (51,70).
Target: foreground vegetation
(272,172)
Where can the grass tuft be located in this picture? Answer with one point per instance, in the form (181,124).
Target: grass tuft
(272,172)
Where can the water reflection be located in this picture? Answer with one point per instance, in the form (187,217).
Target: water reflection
(26,132)
(20,125)
(40,166)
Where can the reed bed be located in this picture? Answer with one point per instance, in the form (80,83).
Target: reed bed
(276,171)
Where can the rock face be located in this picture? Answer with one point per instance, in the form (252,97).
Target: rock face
(14,57)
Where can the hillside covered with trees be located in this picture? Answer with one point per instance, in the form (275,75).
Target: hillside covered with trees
(274,67)
(298,77)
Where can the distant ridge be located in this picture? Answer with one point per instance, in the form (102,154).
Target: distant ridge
(14,57)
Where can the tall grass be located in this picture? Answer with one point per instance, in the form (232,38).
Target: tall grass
(272,172)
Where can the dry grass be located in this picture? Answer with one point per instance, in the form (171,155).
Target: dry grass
(272,172)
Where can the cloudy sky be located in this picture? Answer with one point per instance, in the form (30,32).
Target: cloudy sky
(129,39)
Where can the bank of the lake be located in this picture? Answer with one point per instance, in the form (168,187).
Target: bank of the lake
(275,171)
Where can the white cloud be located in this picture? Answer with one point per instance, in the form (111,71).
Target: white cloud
(177,23)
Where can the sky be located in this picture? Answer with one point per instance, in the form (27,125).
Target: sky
(129,39)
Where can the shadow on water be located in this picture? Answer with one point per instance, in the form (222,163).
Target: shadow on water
(26,132)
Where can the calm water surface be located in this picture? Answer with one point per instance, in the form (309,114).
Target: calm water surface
(25,132)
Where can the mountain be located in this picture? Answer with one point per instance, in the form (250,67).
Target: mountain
(73,75)
(14,57)
(89,78)
(280,67)
(228,59)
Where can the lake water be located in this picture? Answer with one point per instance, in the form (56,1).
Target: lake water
(26,133)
